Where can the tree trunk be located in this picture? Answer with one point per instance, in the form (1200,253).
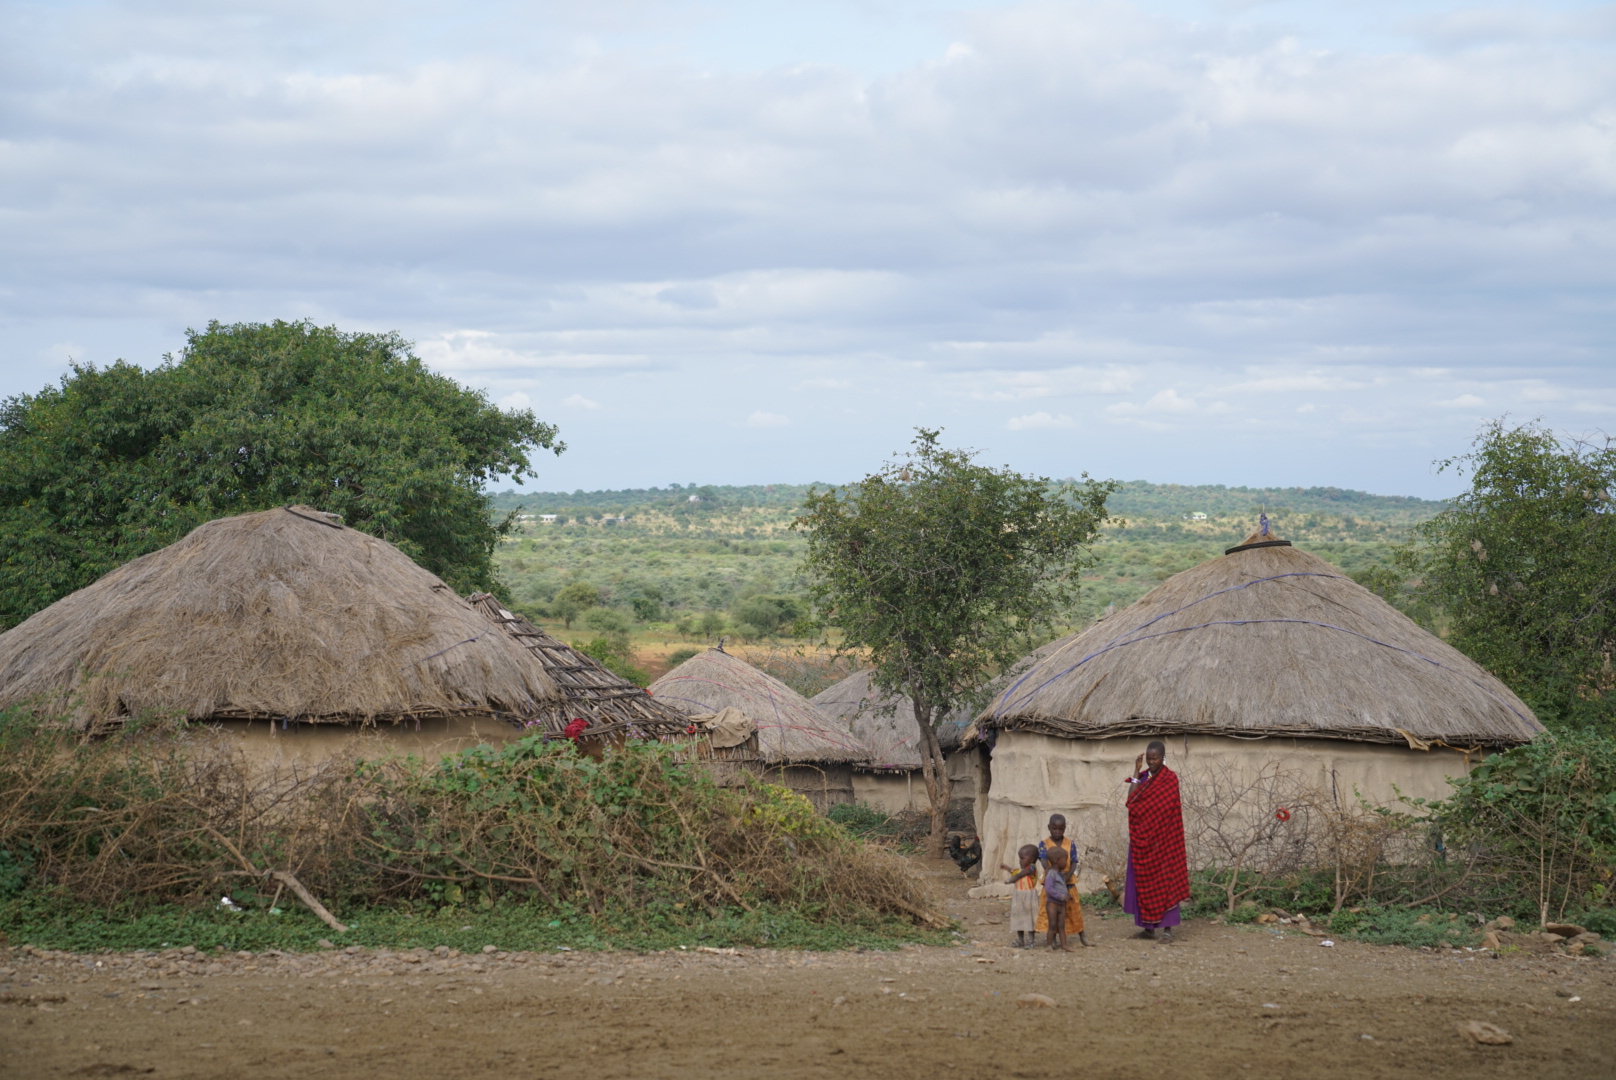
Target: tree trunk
(939,790)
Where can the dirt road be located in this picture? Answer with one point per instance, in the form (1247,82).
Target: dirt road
(1224,1001)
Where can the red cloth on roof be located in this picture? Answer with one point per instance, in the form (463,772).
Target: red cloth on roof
(1156,844)
(575,728)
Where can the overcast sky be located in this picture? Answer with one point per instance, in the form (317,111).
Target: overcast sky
(730,242)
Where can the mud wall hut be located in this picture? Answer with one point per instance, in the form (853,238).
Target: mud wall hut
(890,780)
(1265,657)
(289,630)
(796,744)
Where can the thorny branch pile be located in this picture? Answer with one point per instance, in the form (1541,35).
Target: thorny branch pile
(166,815)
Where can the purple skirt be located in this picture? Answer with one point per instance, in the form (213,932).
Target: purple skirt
(1130,904)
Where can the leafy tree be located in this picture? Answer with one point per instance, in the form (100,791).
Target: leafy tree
(572,600)
(1522,568)
(768,614)
(119,461)
(711,624)
(938,570)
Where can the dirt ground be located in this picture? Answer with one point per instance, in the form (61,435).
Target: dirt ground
(1221,1002)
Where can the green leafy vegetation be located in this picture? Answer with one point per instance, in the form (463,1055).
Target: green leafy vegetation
(1521,568)
(687,568)
(46,921)
(119,461)
(938,571)
(165,820)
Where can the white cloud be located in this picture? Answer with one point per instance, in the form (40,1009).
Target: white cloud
(1463,401)
(1062,203)
(1038,420)
(761,419)
(1163,401)
(578,401)
(515,400)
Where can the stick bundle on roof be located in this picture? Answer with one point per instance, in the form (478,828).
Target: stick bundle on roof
(586,690)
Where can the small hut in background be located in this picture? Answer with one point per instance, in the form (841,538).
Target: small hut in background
(795,743)
(287,628)
(614,707)
(1265,655)
(885,723)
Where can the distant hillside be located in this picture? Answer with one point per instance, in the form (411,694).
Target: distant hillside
(680,550)
(1139,502)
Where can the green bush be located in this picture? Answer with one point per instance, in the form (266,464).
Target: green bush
(769,614)
(679,656)
(176,816)
(1543,818)
(615,657)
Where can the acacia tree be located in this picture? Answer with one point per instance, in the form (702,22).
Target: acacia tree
(119,461)
(937,570)
(1523,568)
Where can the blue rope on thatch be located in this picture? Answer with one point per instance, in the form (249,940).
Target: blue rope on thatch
(1128,638)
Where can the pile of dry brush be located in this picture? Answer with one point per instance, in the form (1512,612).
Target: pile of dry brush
(165,814)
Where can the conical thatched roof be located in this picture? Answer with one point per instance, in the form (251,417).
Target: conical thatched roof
(790,728)
(283,613)
(886,722)
(609,702)
(1265,641)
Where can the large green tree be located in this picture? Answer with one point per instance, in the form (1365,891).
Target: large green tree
(1522,568)
(938,571)
(119,461)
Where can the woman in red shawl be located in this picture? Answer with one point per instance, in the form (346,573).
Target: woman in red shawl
(1158,874)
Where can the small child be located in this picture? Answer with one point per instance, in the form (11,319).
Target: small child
(1055,897)
(1024,904)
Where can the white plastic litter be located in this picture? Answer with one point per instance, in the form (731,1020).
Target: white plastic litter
(229,904)
(1327,944)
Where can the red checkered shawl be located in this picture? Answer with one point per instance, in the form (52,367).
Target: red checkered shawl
(1156,845)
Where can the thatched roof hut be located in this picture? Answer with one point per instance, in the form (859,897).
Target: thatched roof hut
(886,724)
(282,615)
(795,743)
(1263,661)
(1266,641)
(586,690)
(790,729)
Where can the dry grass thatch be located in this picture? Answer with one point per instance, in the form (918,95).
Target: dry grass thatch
(283,613)
(610,703)
(886,722)
(1265,641)
(790,728)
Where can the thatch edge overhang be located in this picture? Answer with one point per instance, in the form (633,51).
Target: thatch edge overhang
(1358,658)
(284,614)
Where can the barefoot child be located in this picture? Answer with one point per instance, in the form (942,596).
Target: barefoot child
(1074,907)
(1055,896)
(1024,902)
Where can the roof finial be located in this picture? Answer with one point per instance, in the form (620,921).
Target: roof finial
(1262,519)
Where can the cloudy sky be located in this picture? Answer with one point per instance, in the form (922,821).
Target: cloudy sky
(1203,241)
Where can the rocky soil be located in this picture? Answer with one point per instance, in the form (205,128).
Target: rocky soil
(1224,1001)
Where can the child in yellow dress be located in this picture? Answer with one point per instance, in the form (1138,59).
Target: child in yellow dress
(1074,907)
